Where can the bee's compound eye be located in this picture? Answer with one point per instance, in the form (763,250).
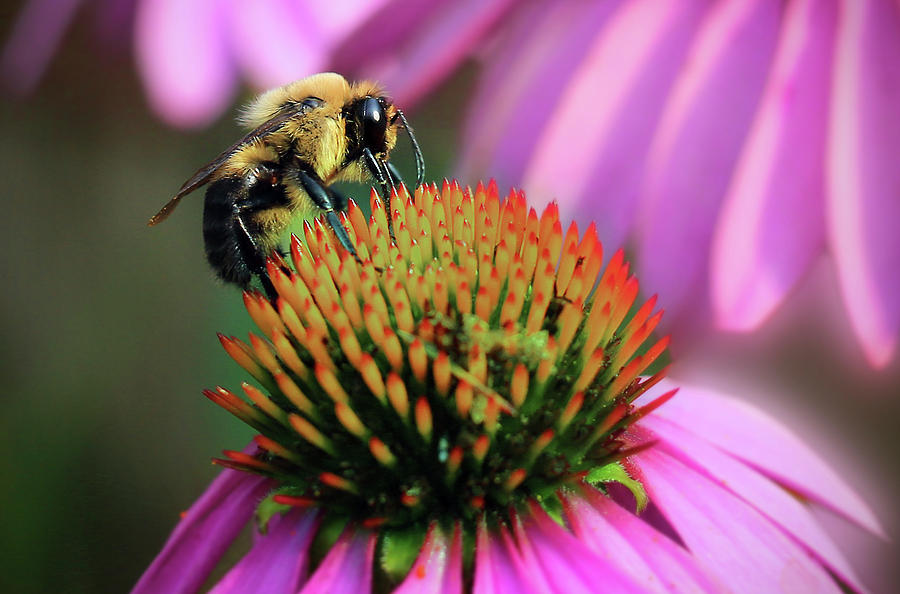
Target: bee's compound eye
(373,123)
(310,103)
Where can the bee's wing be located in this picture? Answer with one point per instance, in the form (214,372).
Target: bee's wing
(204,174)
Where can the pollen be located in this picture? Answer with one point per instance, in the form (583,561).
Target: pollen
(480,357)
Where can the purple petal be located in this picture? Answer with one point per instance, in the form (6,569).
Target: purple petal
(748,434)
(540,47)
(742,548)
(183,57)
(277,562)
(438,570)
(499,568)
(592,154)
(772,222)
(34,38)
(650,559)
(692,156)
(772,501)
(433,47)
(382,32)
(568,565)
(863,181)
(347,568)
(294,46)
(204,534)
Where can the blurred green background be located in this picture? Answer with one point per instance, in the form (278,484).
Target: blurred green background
(109,336)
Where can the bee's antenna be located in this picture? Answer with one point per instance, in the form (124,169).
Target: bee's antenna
(420,161)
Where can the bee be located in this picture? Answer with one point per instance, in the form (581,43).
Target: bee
(303,137)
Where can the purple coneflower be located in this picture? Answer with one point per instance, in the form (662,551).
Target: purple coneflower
(470,410)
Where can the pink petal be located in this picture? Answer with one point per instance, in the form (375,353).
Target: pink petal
(748,434)
(204,534)
(386,29)
(772,222)
(652,560)
(568,565)
(438,570)
(592,154)
(738,545)
(499,568)
(277,562)
(772,501)
(539,48)
(33,40)
(275,51)
(432,48)
(863,181)
(183,56)
(347,568)
(697,143)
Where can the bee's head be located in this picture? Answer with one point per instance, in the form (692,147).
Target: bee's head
(368,123)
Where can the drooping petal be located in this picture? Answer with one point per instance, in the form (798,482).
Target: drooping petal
(37,33)
(347,569)
(592,154)
(737,544)
(863,181)
(652,560)
(499,568)
(746,483)
(277,562)
(432,48)
(772,221)
(438,569)
(568,565)
(750,435)
(692,156)
(521,83)
(183,57)
(204,534)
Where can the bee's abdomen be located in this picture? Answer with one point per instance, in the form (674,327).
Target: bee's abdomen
(230,249)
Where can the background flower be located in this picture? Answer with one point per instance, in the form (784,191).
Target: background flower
(745,139)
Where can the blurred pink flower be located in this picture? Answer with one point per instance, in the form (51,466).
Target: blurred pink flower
(191,53)
(743,139)
(723,479)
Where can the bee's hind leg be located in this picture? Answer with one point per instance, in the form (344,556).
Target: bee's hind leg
(253,255)
(327,201)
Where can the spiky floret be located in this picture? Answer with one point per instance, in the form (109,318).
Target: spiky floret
(482,361)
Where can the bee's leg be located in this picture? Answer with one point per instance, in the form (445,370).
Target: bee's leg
(382,177)
(396,179)
(323,198)
(417,151)
(253,253)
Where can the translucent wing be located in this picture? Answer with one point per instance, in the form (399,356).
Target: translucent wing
(205,173)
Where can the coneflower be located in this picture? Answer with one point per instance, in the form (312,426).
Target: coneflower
(474,408)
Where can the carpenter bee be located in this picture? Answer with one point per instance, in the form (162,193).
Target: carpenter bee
(303,137)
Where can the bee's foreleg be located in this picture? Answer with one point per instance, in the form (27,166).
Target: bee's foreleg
(396,179)
(379,172)
(323,198)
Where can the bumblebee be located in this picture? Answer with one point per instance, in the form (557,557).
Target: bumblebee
(303,137)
